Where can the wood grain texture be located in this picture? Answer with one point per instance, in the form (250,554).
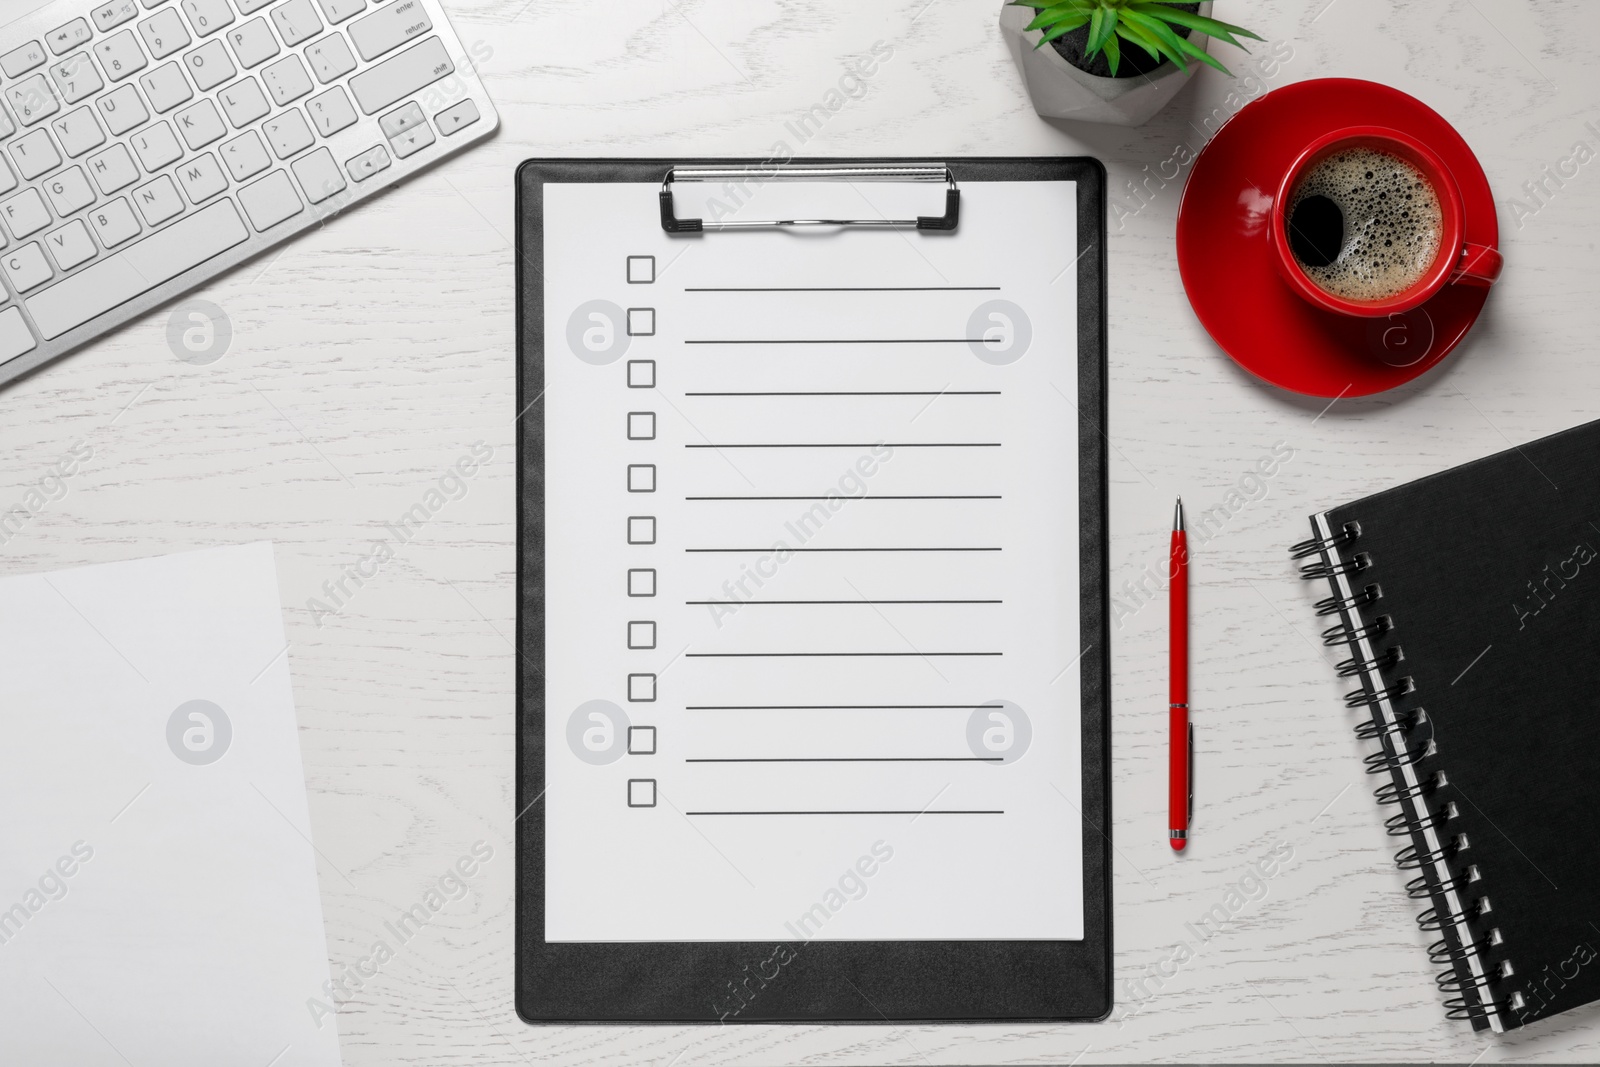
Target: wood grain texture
(371,354)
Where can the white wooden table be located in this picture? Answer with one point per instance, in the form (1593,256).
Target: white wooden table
(375,352)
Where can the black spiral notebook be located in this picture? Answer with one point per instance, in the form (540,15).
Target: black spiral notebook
(1469,602)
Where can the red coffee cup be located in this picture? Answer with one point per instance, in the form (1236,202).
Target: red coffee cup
(1458,261)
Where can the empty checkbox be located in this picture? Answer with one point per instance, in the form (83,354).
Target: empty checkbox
(641,374)
(641,322)
(641,477)
(641,529)
(641,792)
(641,740)
(641,581)
(641,426)
(641,635)
(641,270)
(641,688)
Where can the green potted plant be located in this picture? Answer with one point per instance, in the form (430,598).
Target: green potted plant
(1111,61)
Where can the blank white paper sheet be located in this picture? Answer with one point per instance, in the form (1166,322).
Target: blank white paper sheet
(158,888)
(811,560)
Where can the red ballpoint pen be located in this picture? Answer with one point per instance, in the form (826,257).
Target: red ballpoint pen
(1180,790)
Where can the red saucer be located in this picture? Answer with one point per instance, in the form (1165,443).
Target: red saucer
(1226,258)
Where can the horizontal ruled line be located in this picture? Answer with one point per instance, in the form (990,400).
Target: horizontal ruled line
(838,341)
(848,759)
(858,392)
(873,496)
(856,444)
(866,603)
(837,707)
(770,549)
(798,655)
(844,289)
(911,811)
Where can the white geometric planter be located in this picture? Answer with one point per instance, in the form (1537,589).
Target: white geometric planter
(1060,90)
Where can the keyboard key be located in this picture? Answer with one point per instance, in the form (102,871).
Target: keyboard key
(78,132)
(158,201)
(331,112)
(121,55)
(25,213)
(456,117)
(336,11)
(296,21)
(6,126)
(138,268)
(202,178)
(15,337)
(148,4)
(270,201)
(76,77)
(319,175)
(164,33)
(166,87)
(70,245)
(114,222)
(69,191)
(33,100)
(288,133)
(209,65)
(207,16)
(368,163)
(35,154)
(330,58)
(122,109)
(286,79)
(156,146)
(27,269)
(402,119)
(253,43)
(8,182)
(397,78)
(200,125)
(66,38)
(388,28)
(244,103)
(412,141)
(250,7)
(108,16)
(245,156)
(19,61)
(113,169)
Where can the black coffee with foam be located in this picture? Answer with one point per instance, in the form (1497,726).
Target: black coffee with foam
(1364,225)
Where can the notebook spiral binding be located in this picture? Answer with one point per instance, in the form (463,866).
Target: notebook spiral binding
(1474,978)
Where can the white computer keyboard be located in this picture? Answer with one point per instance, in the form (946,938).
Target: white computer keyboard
(147,145)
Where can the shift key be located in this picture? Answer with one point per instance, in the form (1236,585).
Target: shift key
(395,79)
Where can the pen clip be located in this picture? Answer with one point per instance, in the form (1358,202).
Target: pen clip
(1191,775)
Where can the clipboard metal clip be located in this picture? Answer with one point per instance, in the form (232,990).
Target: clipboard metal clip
(931,172)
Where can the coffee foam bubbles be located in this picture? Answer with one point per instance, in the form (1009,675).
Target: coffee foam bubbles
(1392,223)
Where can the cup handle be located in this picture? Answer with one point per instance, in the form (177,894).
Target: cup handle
(1479,265)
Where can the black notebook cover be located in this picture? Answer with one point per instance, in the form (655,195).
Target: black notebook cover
(1470,602)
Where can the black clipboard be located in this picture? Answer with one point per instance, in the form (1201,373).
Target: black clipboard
(824,981)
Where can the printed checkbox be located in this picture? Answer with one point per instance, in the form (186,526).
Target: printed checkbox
(642,581)
(641,740)
(641,426)
(641,792)
(641,374)
(641,477)
(641,635)
(641,322)
(641,270)
(641,529)
(641,688)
